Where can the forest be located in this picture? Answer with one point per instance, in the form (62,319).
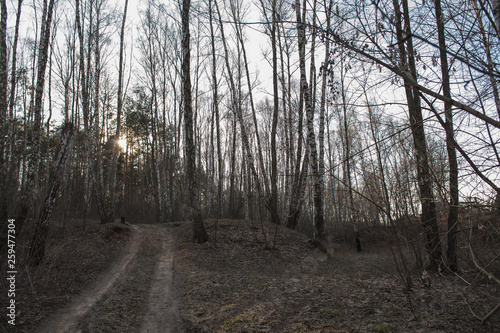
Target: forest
(327,117)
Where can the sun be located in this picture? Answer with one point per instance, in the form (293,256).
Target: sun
(122,143)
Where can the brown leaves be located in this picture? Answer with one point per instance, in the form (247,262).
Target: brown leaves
(237,286)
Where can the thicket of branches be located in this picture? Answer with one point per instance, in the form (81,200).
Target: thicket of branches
(363,113)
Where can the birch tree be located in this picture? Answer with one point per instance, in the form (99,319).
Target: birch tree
(311,137)
(43,51)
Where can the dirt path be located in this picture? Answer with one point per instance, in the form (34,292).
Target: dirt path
(162,314)
(85,312)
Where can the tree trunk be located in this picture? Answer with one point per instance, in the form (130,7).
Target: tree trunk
(84,90)
(3,114)
(428,217)
(114,159)
(311,138)
(199,233)
(37,248)
(299,171)
(322,104)
(263,169)
(274,160)
(238,112)
(220,177)
(43,51)
(347,155)
(451,252)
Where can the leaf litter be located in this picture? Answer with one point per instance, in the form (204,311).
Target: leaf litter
(234,283)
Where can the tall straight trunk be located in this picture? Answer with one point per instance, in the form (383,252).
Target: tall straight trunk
(288,153)
(424,176)
(237,110)
(199,233)
(14,60)
(385,190)
(332,181)
(347,146)
(37,248)
(322,103)
(43,51)
(451,252)
(97,174)
(7,125)
(232,170)
(3,113)
(311,138)
(84,90)
(4,177)
(347,163)
(220,177)
(114,159)
(299,171)
(274,160)
(312,60)
(261,164)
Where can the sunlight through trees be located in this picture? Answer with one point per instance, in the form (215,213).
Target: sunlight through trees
(360,114)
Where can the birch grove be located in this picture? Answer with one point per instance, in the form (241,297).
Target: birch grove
(326,117)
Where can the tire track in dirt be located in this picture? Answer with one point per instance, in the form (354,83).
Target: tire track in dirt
(68,318)
(162,314)
(161,309)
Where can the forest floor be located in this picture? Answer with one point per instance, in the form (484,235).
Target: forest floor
(242,280)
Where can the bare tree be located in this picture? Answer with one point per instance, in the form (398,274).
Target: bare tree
(199,232)
(451,251)
(407,60)
(3,109)
(311,137)
(43,51)
(216,121)
(37,248)
(119,107)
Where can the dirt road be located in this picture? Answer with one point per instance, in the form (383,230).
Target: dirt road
(162,314)
(145,272)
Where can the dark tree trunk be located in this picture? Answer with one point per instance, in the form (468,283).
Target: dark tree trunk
(220,178)
(199,233)
(110,210)
(451,252)
(274,161)
(428,217)
(3,112)
(4,193)
(300,173)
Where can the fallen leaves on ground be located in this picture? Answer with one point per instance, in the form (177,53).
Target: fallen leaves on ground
(237,282)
